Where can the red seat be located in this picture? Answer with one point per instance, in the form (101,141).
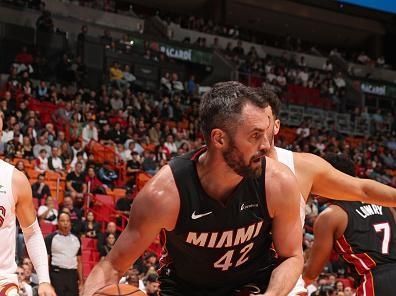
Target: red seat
(86,255)
(88,243)
(47,228)
(104,207)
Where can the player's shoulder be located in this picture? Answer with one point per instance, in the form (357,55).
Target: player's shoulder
(19,178)
(161,187)
(306,158)
(332,214)
(276,169)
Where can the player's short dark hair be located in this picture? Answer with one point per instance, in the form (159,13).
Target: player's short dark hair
(222,105)
(273,100)
(341,162)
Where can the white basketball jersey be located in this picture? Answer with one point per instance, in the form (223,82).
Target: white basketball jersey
(7,225)
(286,157)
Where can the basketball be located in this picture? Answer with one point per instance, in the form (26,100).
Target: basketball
(119,290)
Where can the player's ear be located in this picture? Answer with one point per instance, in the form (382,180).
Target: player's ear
(217,137)
(276,126)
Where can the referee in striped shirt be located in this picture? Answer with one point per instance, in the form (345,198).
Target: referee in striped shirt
(64,251)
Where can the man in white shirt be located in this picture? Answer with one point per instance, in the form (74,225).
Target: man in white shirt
(89,132)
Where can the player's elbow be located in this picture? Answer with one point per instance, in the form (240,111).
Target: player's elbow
(308,275)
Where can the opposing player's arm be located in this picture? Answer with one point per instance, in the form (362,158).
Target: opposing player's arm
(34,241)
(329,224)
(330,182)
(156,207)
(283,199)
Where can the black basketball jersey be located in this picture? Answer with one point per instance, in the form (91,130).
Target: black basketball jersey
(369,240)
(213,244)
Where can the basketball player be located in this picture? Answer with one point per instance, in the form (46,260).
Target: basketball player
(215,208)
(363,234)
(315,175)
(16,201)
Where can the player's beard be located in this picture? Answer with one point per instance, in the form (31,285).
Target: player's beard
(235,160)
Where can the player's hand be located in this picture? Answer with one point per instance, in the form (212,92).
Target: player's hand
(45,289)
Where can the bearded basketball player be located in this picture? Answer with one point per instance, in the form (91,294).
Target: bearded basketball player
(218,209)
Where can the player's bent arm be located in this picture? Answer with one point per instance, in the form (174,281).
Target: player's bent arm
(34,241)
(332,183)
(156,207)
(326,228)
(283,197)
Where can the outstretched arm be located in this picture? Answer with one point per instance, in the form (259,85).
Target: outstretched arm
(35,245)
(156,207)
(283,199)
(331,183)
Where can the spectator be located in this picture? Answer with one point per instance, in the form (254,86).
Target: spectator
(109,243)
(149,165)
(41,162)
(30,275)
(94,185)
(90,228)
(128,77)
(170,144)
(90,132)
(238,49)
(111,228)
(20,166)
(47,213)
(14,147)
(124,203)
(116,75)
(64,250)
(152,285)
(381,62)
(133,167)
(76,148)
(42,144)
(363,58)
(74,213)
(177,85)
(81,40)
(44,23)
(339,81)
(327,66)
(106,38)
(24,61)
(24,288)
(55,162)
(116,102)
(40,190)
(75,182)
(117,134)
(107,175)
(192,87)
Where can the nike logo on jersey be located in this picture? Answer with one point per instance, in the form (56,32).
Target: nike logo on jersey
(197,216)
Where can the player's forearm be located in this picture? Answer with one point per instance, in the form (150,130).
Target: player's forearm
(103,274)
(285,276)
(377,193)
